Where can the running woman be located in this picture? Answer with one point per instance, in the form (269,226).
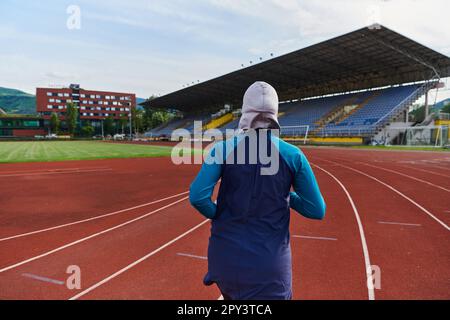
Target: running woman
(249,253)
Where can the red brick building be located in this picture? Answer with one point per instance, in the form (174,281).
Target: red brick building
(92,105)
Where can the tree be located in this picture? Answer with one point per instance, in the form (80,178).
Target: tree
(123,122)
(137,118)
(446,108)
(87,130)
(108,125)
(147,119)
(54,122)
(71,117)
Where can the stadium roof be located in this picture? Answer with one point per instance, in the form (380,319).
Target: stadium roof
(370,57)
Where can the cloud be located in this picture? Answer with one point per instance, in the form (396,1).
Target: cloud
(57,75)
(156,46)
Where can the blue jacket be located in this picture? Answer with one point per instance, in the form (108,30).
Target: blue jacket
(249,254)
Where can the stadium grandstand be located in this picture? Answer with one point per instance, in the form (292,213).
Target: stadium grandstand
(347,89)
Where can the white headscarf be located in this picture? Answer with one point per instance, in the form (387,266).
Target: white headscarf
(260,107)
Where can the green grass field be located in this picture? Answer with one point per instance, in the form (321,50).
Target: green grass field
(43,151)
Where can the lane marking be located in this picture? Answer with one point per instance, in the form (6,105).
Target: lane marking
(369,271)
(90,219)
(395,190)
(191,256)
(59,172)
(401,223)
(405,175)
(429,166)
(52,170)
(315,238)
(90,237)
(44,279)
(131,265)
(427,171)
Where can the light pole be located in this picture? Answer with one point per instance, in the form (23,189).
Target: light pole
(131,128)
(103,133)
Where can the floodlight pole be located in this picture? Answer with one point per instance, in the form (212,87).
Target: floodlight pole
(131,128)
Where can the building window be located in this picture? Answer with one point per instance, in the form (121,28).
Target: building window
(83,108)
(49,106)
(51,100)
(83,95)
(60,95)
(66,94)
(49,94)
(108,97)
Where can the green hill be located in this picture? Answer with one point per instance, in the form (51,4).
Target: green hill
(16,101)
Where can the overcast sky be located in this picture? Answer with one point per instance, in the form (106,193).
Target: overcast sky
(155,47)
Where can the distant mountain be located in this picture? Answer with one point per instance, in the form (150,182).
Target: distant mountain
(16,101)
(139,101)
(442,104)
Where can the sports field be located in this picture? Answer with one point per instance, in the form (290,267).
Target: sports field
(44,151)
(128,226)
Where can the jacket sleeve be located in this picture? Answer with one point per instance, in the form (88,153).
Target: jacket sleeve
(306,197)
(202,187)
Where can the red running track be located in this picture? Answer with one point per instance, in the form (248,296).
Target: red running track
(128,226)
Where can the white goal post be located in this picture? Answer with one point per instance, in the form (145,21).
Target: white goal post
(431,136)
(300,132)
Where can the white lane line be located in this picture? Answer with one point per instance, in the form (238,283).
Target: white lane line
(405,175)
(427,171)
(56,172)
(315,238)
(44,279)
(395,190)
(93,218)
(401,223)
(90,237)
(369,271)
(52,170)
(131,265)
(191,256)
(437,167)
